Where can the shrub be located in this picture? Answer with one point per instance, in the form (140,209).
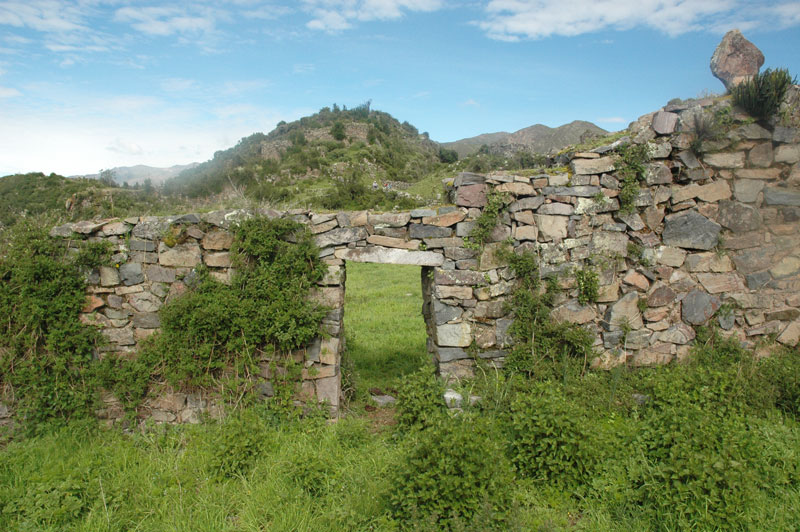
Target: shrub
(338,131)
(453,473)
(486,222)
(216,329)
(420,400)
(543,349)
(447,156)
(698,471)
(762,94)
(46,353)
(548,439)
(235,444)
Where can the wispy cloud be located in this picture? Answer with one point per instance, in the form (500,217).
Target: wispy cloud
(125,148)
(470,102)
(232,88)
(178,84)
(512,20)
(303,68)
(166,21)
(8,92)
(337,15)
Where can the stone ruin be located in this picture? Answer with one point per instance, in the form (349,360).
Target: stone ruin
(713,238)
(714,234)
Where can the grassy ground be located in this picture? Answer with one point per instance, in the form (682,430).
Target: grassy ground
(383,323)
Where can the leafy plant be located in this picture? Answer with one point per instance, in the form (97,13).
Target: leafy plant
(762,94)
(46,353)
(452,473)
(632,167)
(486,222)
(543,348)
(588,285)
(216,330)
(548,440)
(419,400)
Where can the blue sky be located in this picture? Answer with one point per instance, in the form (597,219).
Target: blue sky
(91,84)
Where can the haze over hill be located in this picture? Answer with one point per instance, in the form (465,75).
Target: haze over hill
(534,139)
(134,175)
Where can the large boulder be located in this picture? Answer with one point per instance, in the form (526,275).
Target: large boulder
(735,59)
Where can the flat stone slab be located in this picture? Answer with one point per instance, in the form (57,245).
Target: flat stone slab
(691,230)
(384,255)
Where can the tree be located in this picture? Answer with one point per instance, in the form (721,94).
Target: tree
(338,131)
(107,177)
(447,156)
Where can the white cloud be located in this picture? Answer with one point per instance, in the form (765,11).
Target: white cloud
(470,102)
(43,15)
(235,88)
(8,92)
(303,68)
(125,148)
(338,15)
(535,19)
(166,21)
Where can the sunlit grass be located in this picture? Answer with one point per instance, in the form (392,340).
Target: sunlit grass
(384,328)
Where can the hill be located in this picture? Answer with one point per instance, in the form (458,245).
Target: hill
(137,175)
(314,152)
(534,139)
(57,198)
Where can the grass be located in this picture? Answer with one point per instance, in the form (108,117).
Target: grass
(385,332)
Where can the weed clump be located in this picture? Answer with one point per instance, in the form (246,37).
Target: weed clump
(543,349)
(46,353)
(452,474)
(761,95)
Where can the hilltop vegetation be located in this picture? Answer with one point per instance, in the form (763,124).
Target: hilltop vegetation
(322,147)
(53,198)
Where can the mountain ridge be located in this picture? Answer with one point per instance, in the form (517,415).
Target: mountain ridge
(537,138)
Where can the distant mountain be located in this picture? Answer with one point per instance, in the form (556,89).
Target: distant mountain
(535,139)
(138,174)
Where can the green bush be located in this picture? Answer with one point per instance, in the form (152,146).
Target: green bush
(420,400)
(338,131)
(700,469)
(235,444)
(454,472)
(631,169)
(486,222)
(46,353)
(216,330)
(543,349)
(549,440)
(761,95)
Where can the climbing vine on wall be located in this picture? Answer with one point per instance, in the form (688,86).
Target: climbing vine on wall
(216,335)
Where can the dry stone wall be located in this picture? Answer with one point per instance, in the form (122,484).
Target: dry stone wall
(713,237)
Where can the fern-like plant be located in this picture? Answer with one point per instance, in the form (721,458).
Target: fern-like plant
(762,94)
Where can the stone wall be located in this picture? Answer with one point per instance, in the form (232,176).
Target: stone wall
(714,236)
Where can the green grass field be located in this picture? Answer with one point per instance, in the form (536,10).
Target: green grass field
(384,330)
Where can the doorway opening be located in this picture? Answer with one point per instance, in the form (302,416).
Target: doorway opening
(385,332)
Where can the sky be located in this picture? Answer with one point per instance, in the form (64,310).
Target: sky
(87,85)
